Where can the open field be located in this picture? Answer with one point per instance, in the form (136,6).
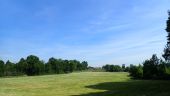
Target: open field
(82,84)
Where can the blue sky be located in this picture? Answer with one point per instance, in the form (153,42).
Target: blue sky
(98,31)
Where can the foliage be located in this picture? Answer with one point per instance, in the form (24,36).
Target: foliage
(112,68)
(153,68)
(150,68)
(136,71)
(127,69)
(32,65)
(1,68)
(166,54)
(10,69)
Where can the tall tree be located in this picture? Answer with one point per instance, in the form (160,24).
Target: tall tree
(10,68)
(1,68)
(52,65)
(33,65)
(166,54)
(150,67)
(21,66)
(73,65)
(84,64)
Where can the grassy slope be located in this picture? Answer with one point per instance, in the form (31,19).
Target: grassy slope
(82,84)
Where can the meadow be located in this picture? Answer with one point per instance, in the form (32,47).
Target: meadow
(83,84)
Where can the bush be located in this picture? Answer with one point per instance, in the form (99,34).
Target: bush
(112,68)
(136,71)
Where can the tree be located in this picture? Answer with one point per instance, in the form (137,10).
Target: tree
(150,67)
(84,65)
(10,69)
(112,68)
(123,67)
(52,65)
(56,65)
(1,68)
(107,68)
(127,69)
(73,65)
(66,65)
(139,72)
(33,65)
(41,66)
(21,66)
(116,68)
(79,66)
(162,74)
(48,68)
(166,54)
(136,71)
(132,70)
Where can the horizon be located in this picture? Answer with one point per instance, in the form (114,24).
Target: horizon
(97,31)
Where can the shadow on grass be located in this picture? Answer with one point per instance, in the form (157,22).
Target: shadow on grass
(131,88)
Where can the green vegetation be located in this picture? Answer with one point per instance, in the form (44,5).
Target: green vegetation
(83,84)
(115,68)
(155,68)
(112,68)
(32,65)
(152,68)
(166,54)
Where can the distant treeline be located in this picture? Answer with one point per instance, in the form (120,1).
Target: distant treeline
(153,68)
(115,68)
(32,65)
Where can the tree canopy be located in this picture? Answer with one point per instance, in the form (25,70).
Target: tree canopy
(32,65)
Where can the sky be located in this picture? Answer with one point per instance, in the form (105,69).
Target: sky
(98,31)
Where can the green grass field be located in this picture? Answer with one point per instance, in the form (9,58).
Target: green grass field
(82,84)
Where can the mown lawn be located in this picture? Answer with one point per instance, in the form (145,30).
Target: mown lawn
(83,84)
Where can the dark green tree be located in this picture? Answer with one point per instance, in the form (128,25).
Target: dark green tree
(21,66)
(84,65)
(112,68)
(48,68)
(79,65)
(33,65)
(162,70)
(52,66)
(127,69)
(56,65)
(73,65)
(107,68)
(10,69)
(166,54)
(116,68)
(136,71)
(41,65)
(1,68)
(66,66)
(150,67)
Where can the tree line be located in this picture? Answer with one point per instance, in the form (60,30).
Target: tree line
(32,65)
(152,68)
(155,68)
(115,68)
